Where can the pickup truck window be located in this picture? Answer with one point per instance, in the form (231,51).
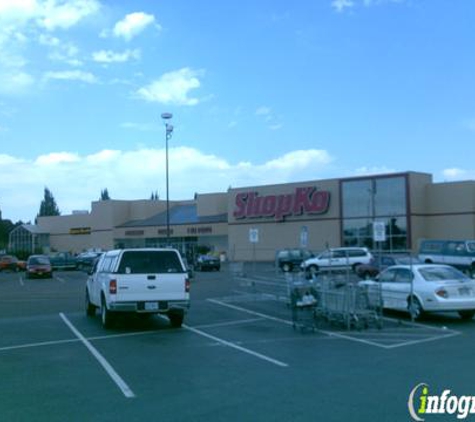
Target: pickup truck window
(150,262)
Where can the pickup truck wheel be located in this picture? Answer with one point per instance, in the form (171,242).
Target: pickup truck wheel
(176,319)
(90,308)
(106,315)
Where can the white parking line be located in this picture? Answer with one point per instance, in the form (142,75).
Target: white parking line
(30,345)
(229,323)
(446,334)
(60,279)
(235,346)
(20,280)
(108,368)
(75,340)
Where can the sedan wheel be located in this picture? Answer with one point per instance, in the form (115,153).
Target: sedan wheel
(415,308)
(467,315)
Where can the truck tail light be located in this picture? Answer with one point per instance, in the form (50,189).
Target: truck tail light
(187,285)
(113,287)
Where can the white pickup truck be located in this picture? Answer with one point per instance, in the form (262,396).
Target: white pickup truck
(145,281)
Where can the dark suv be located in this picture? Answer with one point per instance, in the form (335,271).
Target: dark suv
(288,259)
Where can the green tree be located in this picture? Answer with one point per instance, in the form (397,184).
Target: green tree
(6,226)
(154,196)
(48,205)
(105,195)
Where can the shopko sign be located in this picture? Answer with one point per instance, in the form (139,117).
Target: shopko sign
(306,200)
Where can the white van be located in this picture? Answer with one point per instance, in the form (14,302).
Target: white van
(337,259)
(458,253)
(144,281)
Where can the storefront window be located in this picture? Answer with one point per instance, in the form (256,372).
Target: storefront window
(376,199)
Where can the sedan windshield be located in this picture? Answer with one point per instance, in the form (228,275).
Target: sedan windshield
(40,260)
(442,274)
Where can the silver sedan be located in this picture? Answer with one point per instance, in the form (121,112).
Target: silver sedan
(425,288)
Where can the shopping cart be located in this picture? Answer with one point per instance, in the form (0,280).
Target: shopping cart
(303,302)
(349,305)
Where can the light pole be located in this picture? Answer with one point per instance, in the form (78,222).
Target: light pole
(168,134)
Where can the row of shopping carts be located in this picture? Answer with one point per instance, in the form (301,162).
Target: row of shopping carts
(315,303)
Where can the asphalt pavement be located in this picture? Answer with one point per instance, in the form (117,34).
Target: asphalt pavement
(237,358)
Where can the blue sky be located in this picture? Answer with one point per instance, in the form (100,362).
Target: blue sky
(262,92)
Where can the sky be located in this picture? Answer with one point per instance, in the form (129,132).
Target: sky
(261,92)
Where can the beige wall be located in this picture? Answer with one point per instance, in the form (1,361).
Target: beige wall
(418,198)
(450,212)
(212,203)
(59,228)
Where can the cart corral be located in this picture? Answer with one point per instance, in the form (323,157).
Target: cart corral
(333,303)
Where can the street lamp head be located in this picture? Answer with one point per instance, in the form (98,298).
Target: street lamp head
(167,116)
(169,129)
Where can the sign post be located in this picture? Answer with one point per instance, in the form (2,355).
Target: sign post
(253,239)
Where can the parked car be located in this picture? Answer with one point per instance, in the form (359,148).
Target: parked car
(290,259)
(458,253)
(39,266)
(11,263)
(207,263)
(85,261)
(381,262)
(63,261)
(337,259)
(425,288)
(143,281)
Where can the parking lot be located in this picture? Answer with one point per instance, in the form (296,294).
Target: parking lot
(236,358)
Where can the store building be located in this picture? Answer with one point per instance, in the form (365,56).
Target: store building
(252,223)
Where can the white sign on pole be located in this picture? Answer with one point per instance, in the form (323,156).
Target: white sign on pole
(304,237)
(254,235)
(379,231)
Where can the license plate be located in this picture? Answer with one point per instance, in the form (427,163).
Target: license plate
(465,291)
(151,306)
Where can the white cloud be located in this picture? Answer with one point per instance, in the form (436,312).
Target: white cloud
(367,171)
(53,14)
(142,127)
(48,14)
(57,158)
(134,174)
(23,22)
(172,88)
(457,174)
(71,75)
(17,10)
(340,5)
(263,111)
(108,56)
(16,83)
(271,120)
(132,25)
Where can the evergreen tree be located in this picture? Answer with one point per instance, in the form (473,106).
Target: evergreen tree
(154,196)
(48,205)
(6,226)
(105,195)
